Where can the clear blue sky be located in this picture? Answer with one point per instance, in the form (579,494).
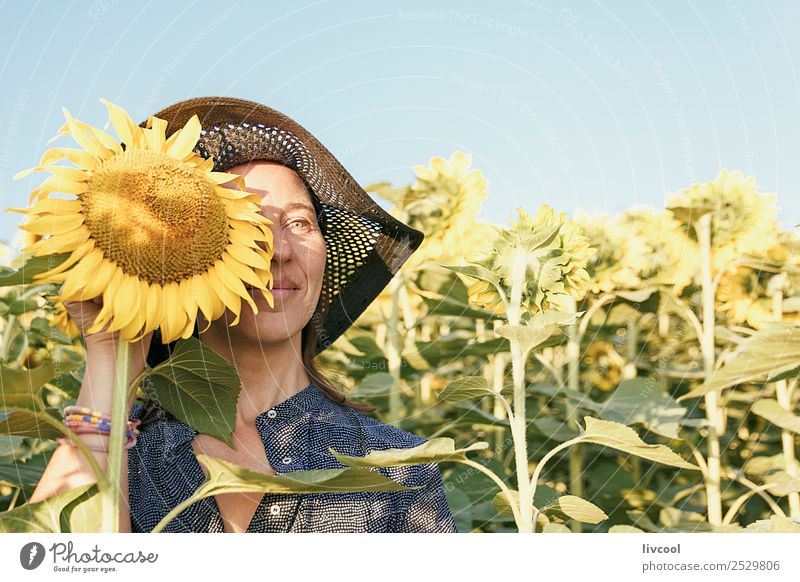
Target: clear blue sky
(599,105)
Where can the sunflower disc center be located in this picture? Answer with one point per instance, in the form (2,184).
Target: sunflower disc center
(160,220)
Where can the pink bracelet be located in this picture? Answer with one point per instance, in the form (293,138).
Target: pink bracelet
(65,441)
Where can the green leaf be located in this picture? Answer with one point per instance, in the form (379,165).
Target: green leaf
(224,477)
(555,528)
(770,351)
(19,386)
(468,388)
(433,451)
(689,214)
(476,272)
(18,474)
(781,483)
(33,266)
(793,373)
(776,414)
(23,306)
(554,428)
(198,386)
(622,438)
(537,328)
(27,422)
(640,401)
(374,384)
(579,509)
(624,529)
(45,516)
(774,524)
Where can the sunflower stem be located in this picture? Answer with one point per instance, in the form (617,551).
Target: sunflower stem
(119,414)
(714,412)
(518,417)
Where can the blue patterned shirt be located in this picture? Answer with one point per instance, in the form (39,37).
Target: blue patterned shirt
(163,472)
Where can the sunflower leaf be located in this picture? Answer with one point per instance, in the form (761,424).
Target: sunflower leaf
(620,437)
(432,451)
(198,386)
(769,352)
(47,516)
(467,388)
(18,386)
(33,266)
(27,422)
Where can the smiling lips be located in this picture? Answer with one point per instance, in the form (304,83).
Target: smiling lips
(280,288)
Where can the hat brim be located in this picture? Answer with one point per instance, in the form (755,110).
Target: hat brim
(366,245)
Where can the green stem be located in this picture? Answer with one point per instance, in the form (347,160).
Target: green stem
(394,349)
(714,413)
(573,383)
(14,498)
(784,397)
(119,407)
(518,417)
(503,487)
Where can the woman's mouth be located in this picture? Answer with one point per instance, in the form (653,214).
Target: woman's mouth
(281,293)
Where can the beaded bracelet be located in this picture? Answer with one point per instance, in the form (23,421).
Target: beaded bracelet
(83,410)
(91,427)
(83,416)
(130,444)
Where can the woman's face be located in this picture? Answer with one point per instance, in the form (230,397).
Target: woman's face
(299,259)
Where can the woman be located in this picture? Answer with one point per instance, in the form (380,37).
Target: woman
(335,249)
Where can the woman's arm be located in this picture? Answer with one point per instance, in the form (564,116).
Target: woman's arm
(68,468)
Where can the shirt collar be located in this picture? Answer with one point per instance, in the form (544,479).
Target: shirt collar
(309,400)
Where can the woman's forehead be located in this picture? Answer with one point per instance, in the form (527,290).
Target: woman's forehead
(277,185)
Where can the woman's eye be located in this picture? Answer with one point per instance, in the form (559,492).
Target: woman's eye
(301,221)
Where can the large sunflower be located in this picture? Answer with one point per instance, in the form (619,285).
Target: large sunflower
(152,229)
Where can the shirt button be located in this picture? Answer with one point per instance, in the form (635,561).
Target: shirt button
(272,413)
(286,460)
(274,509)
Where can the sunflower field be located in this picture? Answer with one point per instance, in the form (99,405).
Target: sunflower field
(623,373)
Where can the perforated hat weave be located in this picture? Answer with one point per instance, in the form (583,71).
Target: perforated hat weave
(366,246)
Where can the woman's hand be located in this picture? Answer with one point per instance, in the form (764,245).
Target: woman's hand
(84,314)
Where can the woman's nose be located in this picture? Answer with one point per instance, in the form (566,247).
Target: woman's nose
(283,246)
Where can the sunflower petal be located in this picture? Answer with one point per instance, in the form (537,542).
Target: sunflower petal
(175,316)
(80,158)
(229,278)
(154,307)
(60,206)
(229,299)
(187,139)
(81,274)
(124,126)
(59,184)
(99,281)
(67,173)
(126,302)
(76,255)
(90,144)
(242,270)
(62,242)
(108,301)
(52,223)
(25,173)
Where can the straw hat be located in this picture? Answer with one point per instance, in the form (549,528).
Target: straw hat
(366,246)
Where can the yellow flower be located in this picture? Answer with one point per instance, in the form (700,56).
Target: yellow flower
(744,221)
(554,271)
(61,319)
(673,258)
(152,229)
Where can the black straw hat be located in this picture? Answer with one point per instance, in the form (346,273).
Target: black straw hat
(366,246)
